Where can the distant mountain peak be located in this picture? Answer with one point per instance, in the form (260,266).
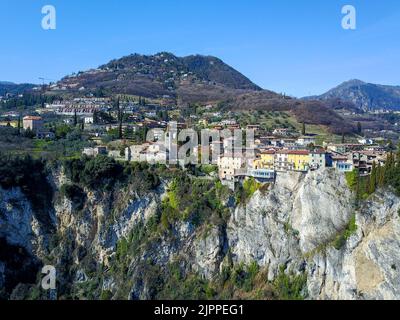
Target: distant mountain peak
(365,96)
(353,82)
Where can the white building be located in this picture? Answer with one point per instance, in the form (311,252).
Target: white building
(304,141)
(88,120)
(93,152)
(147,152)
(32,123)
(283,132)
(365,141)
(318,159)
(227,166)
(281,161)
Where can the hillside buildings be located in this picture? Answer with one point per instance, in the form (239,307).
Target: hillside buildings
(262,159)
(32,123)
(93,152)
(229,166)
(80,106)
(270,161)
(36,125)
(147,152)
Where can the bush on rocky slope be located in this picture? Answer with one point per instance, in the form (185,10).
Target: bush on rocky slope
(31,176)
(101,173)
(192,200)
(75,194)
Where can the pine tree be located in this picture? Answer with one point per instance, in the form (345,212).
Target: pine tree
(120,133)
(120,118)
(343,138)
(303,130)
(358,188)
(389,168)
(144,134)
(372,179)
(128,133)
(380,176)
(165,116)
(398,155)
(390,145)
(359,128)
(75,118)
(95,117)
(19,125)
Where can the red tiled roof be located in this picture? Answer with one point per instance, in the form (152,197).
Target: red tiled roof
(295,152)
(319,151)
(32,118)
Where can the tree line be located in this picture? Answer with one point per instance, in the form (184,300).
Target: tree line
(381,176)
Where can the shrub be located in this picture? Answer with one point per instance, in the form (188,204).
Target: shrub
(290,286)
(106,295)
(75,194)
(191,200)
(342,238)
(351,179)
(97,173)
(243,277)
(28,174)
(250,186)
(207,169)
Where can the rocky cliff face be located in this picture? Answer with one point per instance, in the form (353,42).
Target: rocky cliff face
(301,224)
(295,223)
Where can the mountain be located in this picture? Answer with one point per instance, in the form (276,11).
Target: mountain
(365,96)
(194,78)
(10,87)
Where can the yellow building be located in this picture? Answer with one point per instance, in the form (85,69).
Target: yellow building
(298,160)
(13,124)
(283,160)
(266,160)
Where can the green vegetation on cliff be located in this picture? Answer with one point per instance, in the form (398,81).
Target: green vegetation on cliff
(192,200)
(28,174)
(247,190)
(343,236)
(102,173)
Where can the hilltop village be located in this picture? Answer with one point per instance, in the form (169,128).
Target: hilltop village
(137,130)
(283,151)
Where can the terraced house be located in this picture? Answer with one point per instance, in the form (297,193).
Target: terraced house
(291,160)
(297,160)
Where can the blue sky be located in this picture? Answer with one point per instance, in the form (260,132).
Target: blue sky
(292,46)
